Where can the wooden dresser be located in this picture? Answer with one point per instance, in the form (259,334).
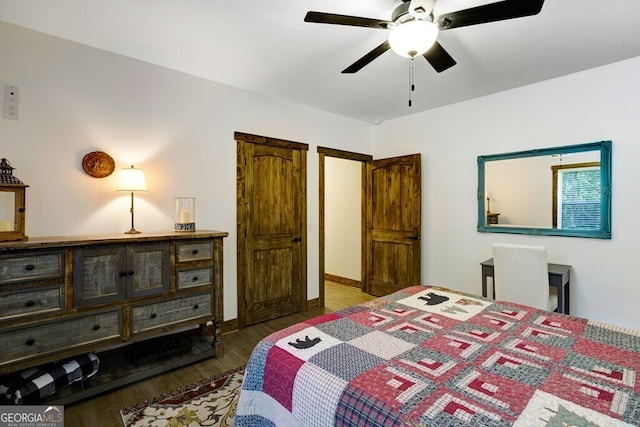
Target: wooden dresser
(61,296)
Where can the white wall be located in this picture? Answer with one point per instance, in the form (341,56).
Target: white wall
(76,99)
(594,105)
(178,128)
(343,217)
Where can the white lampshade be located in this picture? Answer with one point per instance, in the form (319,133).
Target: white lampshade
(132,179)
(413,38)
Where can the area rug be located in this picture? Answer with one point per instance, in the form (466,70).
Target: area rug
(211,402)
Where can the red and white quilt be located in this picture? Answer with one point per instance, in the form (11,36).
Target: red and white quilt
(430,356)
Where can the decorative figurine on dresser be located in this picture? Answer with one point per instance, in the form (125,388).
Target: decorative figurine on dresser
(126,298)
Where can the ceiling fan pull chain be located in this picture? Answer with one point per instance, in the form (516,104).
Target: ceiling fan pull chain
(411,85)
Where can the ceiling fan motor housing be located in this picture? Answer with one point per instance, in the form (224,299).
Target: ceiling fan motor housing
(401,14)
(421,9)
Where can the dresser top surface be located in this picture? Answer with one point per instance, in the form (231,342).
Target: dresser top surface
(66,241)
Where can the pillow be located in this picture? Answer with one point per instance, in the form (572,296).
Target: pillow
(34,384)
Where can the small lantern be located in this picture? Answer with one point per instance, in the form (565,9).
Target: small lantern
(12,198)
(185,219)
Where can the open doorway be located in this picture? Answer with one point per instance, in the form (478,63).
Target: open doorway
(342,218)
(390,226)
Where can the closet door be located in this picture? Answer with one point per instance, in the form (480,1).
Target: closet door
(394,226)
(271,193)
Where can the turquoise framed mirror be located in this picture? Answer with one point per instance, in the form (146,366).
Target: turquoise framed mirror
(556,191)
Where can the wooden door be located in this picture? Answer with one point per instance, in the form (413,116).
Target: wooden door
(393,226)
(271,196)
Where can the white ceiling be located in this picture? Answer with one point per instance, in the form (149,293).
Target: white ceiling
(265,46)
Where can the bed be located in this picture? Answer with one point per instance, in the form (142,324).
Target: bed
(431,356)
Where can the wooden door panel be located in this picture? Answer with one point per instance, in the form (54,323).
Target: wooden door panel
(274,198)
(392,208)
(271,292)
(393,268)
(394,235)
(271,228)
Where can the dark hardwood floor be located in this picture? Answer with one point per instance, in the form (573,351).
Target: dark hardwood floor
(104,410)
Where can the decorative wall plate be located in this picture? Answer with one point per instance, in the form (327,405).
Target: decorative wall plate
(98,164)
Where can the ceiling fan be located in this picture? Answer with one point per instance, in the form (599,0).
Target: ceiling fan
(414,28)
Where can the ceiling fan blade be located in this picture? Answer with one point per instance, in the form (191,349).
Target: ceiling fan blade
(354,21)
(439,58)
(360,63)
(502,10)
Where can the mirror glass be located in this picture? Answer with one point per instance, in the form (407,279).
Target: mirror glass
(561,191)
(7,210)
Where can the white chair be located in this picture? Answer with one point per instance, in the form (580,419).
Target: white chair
(521,275)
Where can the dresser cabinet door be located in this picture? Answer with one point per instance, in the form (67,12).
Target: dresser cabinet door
(103,274)
(151,267)
(99,274)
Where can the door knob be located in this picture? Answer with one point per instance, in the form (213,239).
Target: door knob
(296,239)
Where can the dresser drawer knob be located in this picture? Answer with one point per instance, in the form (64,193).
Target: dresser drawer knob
(30,303)
(130,272)
(29,267)
(195,279)
(30,341)
(194,252)
(122,273)
(153,315)
(195,306)
(96,327)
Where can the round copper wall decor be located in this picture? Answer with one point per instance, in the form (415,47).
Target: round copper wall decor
(98,164)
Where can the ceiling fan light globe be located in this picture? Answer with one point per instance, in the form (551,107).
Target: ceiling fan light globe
(413,38)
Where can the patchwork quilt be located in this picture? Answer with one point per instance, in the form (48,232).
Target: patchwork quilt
(430,356)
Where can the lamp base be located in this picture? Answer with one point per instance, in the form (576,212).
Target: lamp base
(132,231)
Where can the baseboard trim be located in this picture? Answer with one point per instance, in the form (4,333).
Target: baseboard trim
(229,326)
(343,280)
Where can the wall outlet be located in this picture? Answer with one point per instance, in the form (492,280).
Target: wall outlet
(11,93)
(10,110)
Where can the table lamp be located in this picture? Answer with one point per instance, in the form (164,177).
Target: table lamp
(132,180)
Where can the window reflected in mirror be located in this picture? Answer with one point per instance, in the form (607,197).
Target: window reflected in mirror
(576,196)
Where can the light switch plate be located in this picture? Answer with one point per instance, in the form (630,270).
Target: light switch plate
(10,110)
(11,93)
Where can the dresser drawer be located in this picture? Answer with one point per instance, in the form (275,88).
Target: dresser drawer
(58,335)
(194,251)
(20,268)
(30,302)
(195,277)
(151,316)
